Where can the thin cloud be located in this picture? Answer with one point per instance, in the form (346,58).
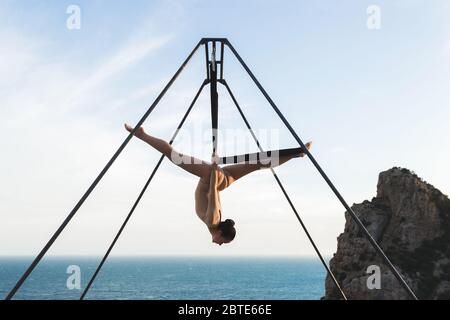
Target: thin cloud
(129,55)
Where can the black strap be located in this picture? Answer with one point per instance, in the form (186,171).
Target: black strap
(256,157)
(214,99)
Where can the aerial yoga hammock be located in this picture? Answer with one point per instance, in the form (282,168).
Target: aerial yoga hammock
(213,179)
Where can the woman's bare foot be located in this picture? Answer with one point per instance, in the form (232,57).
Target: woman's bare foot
(308,146)
(139,132)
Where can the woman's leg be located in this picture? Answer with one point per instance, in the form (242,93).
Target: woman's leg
(192,165)
(237,171)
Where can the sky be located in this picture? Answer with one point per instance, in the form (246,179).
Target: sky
(370,99)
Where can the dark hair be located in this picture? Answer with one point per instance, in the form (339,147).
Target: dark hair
(227,229)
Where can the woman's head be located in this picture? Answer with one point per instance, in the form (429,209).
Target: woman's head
(225,232)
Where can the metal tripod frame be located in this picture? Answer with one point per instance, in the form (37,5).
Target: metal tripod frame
(214,76)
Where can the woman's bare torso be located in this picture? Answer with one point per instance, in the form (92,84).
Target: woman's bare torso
(204,198)
(201,199)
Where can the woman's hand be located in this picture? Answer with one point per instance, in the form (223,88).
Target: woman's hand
(214,167)
(214,159)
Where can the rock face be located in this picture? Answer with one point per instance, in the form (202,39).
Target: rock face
(410,220)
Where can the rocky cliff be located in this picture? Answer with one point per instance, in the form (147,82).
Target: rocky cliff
(410,220)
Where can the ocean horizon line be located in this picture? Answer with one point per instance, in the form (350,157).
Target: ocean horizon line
(144,256)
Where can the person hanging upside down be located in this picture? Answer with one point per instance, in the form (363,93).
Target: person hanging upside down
(213,179)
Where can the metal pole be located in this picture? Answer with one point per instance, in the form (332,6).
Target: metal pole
(330,273)
(97,180)
(325,177)
(141,194)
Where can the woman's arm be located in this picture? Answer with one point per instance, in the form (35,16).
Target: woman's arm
(213,213)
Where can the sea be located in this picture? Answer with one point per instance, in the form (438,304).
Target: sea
(167,278)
